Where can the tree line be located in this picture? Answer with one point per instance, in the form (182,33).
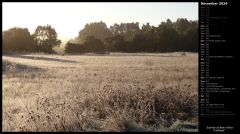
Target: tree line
(168,36)
(20,40)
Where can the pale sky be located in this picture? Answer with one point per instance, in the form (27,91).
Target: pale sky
(69,18)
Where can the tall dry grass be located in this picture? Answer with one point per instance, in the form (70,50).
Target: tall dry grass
(101,93)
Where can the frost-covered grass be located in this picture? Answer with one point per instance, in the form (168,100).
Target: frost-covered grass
(116,92)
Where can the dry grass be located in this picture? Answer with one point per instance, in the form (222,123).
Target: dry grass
(118,92)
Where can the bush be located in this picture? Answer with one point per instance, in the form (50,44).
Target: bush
(91,44)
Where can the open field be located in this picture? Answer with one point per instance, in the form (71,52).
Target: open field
(116,92)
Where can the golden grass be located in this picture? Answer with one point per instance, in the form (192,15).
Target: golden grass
(118,92)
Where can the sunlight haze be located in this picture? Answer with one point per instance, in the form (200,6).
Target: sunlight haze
(69,18)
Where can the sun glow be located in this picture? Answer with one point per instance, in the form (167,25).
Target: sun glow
(69,18)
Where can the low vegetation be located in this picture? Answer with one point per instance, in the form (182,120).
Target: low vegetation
(117,92)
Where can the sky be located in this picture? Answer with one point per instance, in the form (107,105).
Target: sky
(69,18)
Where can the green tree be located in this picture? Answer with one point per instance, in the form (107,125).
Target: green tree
(168,37)
(99,30)
(190,38)
(92,44)
(17,40)
(127,30)
(144,42)
(181,25)
(46,38)
(74,48)
(146,28)
(116,44)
